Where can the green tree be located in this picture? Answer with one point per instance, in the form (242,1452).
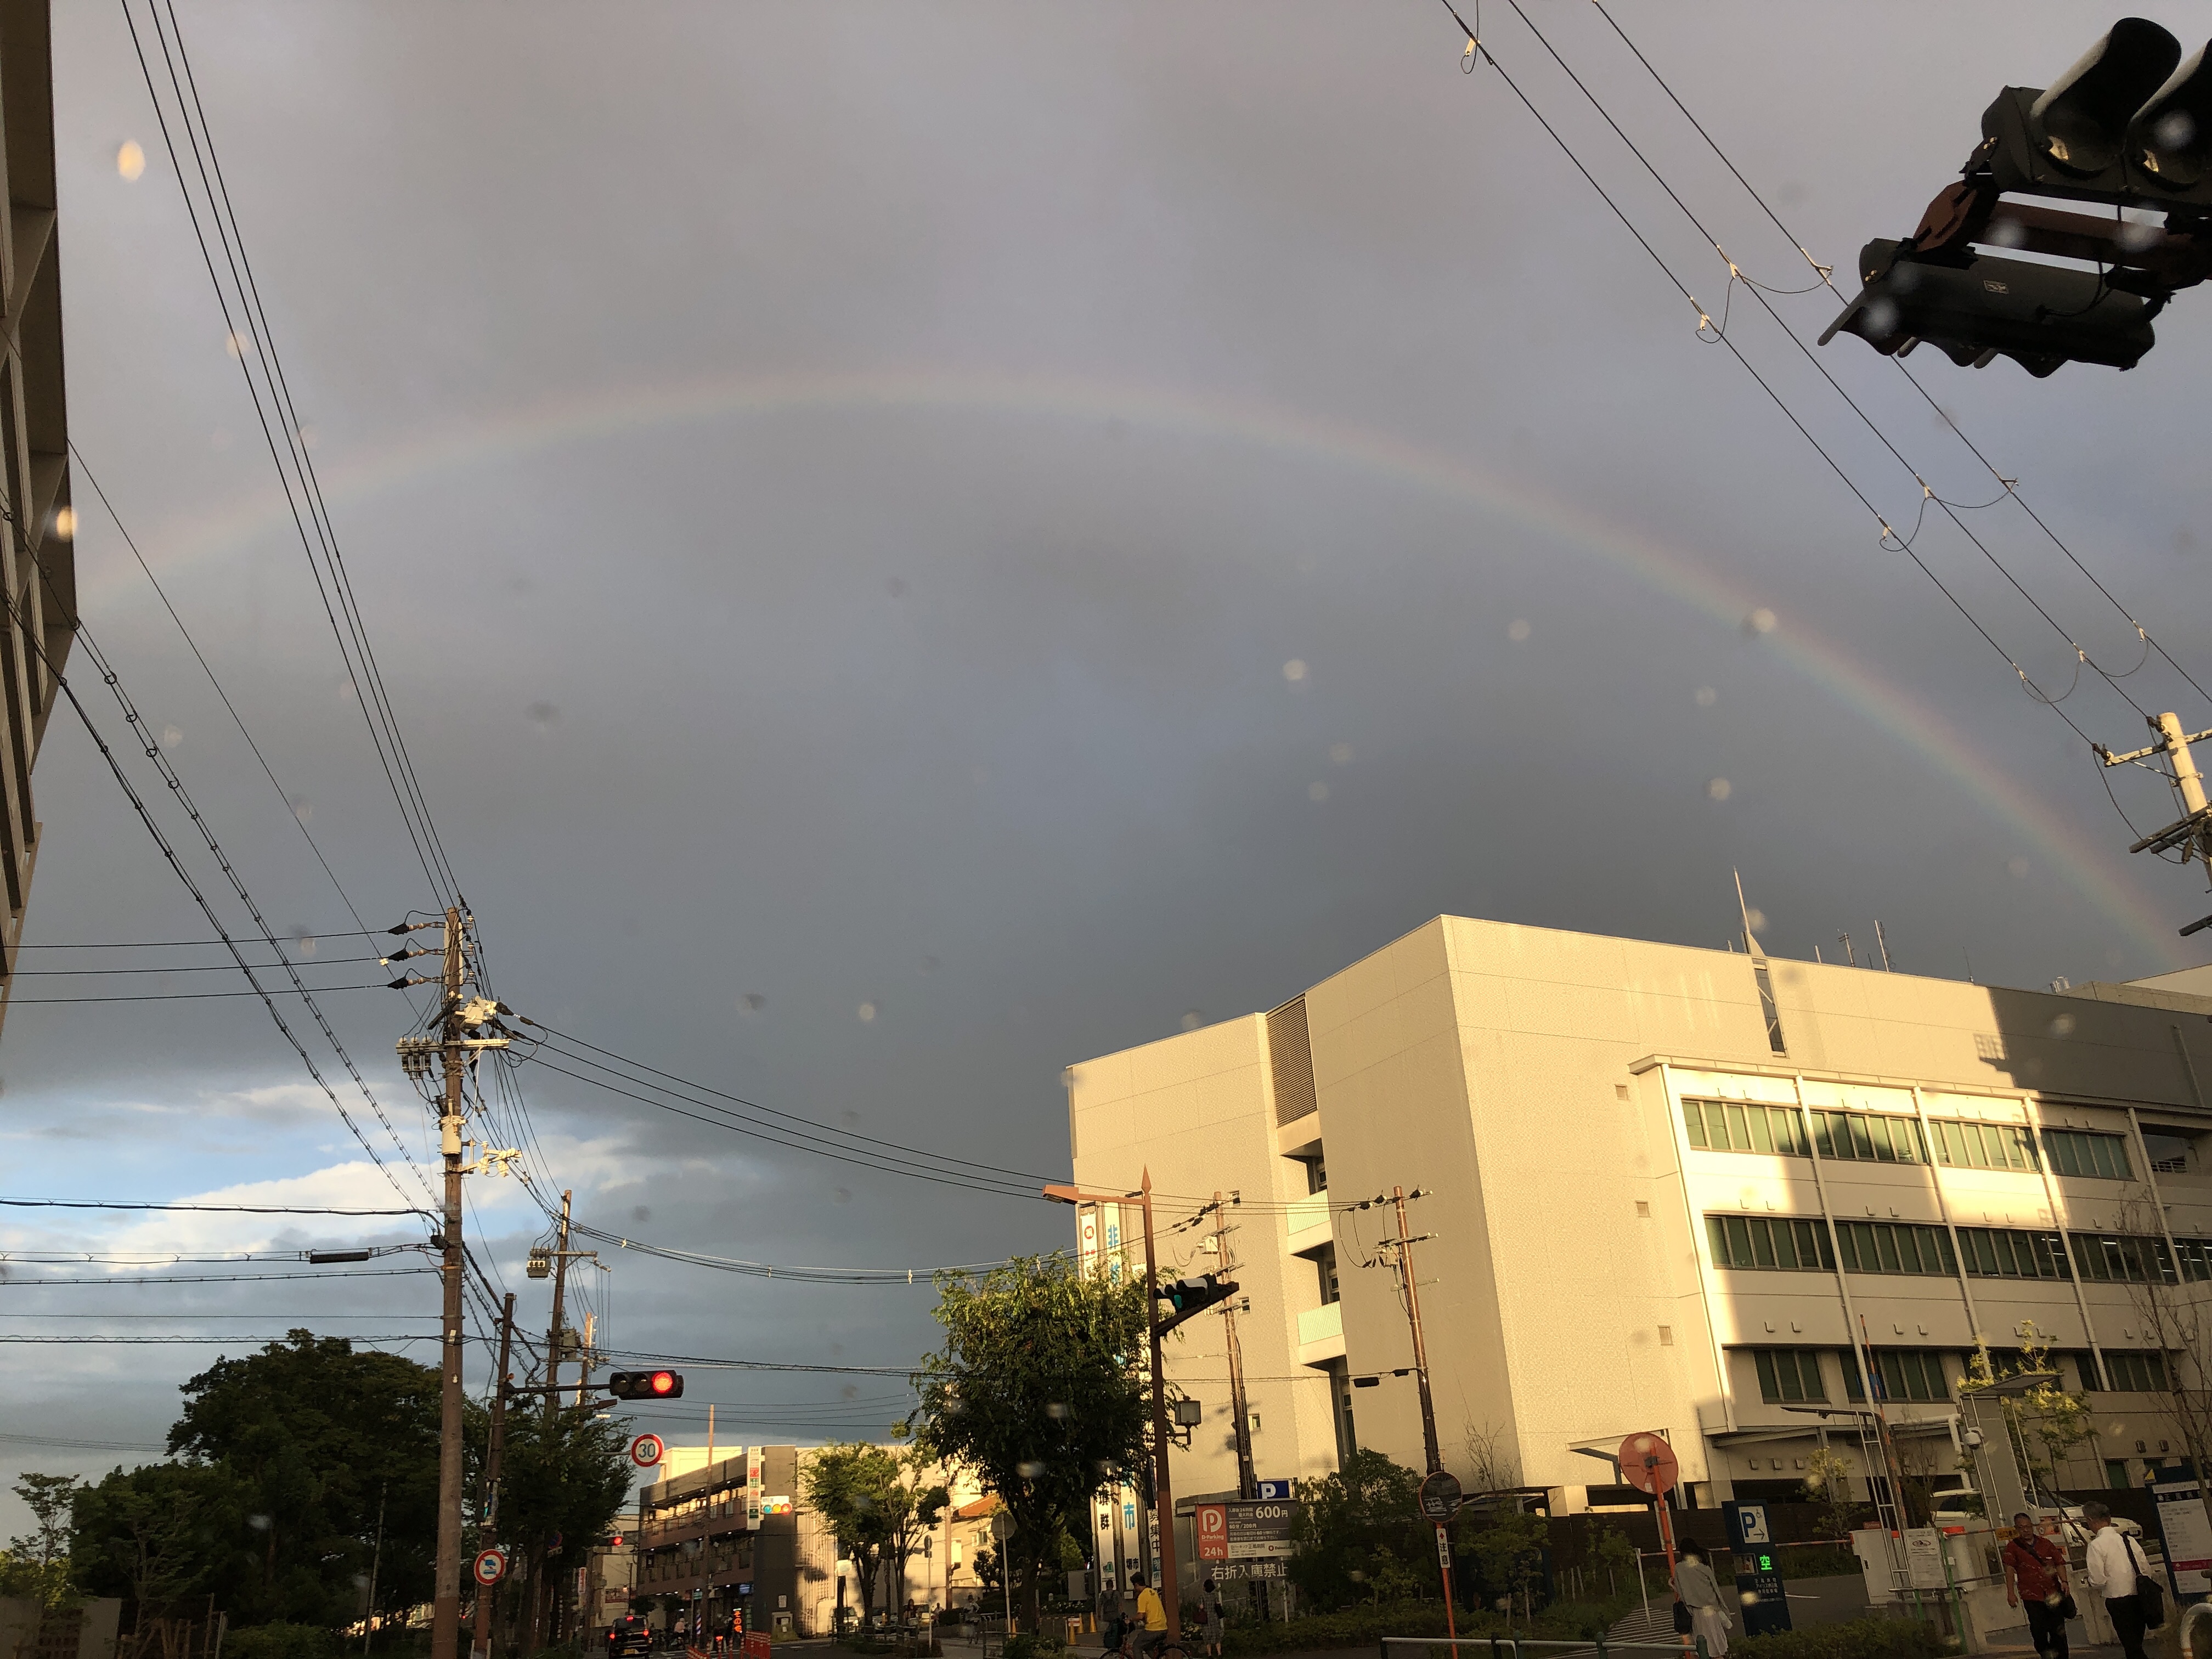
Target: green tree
(2044,1423)
(846,1484)
(562,1480)
(1508,1546)
(1039,1390)
(157,1534)
(1359,1535)
(37,1567)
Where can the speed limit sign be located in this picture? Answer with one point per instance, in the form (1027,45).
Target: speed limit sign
(490,1566)
(645,1450)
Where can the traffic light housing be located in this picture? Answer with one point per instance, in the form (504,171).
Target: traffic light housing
(1976,307)
(1194,1295)
(645,1385)
(2073,138)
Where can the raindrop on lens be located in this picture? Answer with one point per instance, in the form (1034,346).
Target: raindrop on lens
(1294,670)
(1718,789)
(130,160)
(1517,630)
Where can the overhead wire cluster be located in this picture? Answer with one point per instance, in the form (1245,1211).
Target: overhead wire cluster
(1481,49)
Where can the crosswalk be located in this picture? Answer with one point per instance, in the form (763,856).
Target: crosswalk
(1653,1624)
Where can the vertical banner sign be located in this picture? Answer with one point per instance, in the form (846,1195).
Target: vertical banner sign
(2188,1535)
(1111,1216)
(753,1485)
(1757,1575)
(1086,1240)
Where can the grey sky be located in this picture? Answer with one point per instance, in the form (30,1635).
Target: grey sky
(836,490)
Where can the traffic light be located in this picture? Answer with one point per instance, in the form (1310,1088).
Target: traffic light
(1980,307)
(645,1385)
(2130,125)
(1194,1295)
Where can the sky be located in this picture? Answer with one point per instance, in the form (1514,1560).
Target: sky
(915,547)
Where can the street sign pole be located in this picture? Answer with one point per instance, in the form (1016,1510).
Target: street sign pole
(1647,1463)
(1440,1499)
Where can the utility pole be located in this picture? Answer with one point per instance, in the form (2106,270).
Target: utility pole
(1412,1298)
(446,1605)
(1247,1484)
(1163,1492)
(553,1333)
(2192,832)
(488,1594)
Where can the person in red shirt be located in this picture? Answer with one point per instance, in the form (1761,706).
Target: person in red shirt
(2035,1574)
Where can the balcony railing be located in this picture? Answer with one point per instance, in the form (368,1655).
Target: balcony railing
(1320,1324)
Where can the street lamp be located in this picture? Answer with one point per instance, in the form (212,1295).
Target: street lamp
(1163,1493)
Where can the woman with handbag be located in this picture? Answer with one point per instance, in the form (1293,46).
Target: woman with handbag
(1696,1589)
(2035,1575)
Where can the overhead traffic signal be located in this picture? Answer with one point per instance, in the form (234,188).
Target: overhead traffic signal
(645,1385)
(1194,1295)
(2129,126)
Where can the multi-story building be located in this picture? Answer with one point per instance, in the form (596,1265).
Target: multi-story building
(1664,1188)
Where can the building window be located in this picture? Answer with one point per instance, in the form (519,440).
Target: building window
(1766,1004)
(2195,1259)
(1869,1137)
(1883,1247)
(1901,1374)
(2008,1253)
(2168,1150)
(1789,1375)
(1325,1265)
(2134,1373)
(2075,1152)
(1982,1146)
(1731,1126)
(1775,1242)
(2122,1259)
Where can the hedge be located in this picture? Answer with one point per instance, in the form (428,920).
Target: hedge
(281,1642)
(1856,1639)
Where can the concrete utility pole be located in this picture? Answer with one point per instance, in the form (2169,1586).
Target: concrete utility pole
(553,1333)
(1247,1484)
(1413,1294)
(488,1534)
(446,1605)
(2192,832)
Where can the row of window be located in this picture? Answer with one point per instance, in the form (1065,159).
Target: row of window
(1796,1376)
(1801,1245)
(1730,1126)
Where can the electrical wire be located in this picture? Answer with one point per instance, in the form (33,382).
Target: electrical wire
(757,1364)
(189,996)
(224,1209)
(196,968)
(212,943)
(769,1270)
(144,1281)
(173,1259)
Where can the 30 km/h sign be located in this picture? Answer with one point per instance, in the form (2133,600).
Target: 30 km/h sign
(645,1450)
(1647,1463)
(490,1566)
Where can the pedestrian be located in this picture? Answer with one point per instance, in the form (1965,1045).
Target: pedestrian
(1709,1616)
(2115,1564)
(1210,1602)
(2036,1577)
(1110,1624)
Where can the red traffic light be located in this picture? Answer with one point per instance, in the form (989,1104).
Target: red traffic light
(645,1385)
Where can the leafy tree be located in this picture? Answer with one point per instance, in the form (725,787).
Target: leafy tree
(2044,1423)
(38,1566)
(1508,1546)
(562,1480)
(1039,1391)
(164,1531)
(846,1486)
(1359,1535)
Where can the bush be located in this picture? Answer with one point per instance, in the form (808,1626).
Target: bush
(1363,1627)
(281,1642)
(1032,1645)
(1858,1638)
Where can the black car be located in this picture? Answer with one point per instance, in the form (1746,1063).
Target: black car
(628,1634)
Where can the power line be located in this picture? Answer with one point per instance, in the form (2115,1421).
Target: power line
(63,1444)
(770,1270)
(142,1282)
(194,968)
(204,1341)
(224,1209)
(212,943)
(757,1364)
(192,996)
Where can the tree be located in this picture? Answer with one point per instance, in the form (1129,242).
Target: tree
(2043,1424)
(1039,1390)
(1359,1535)
(908,1509)
(164,1531)
(562,1482)
(847,1485)
(2173,1318)
(38,1566)
(1828,1483)
(1508,1545)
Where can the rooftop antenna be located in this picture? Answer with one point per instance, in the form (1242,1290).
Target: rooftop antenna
(1750,944)
(1882,940)
(1849,955)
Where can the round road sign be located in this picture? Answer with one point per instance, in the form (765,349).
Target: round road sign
(645,1450)
(1002,1525)
(1441,1496)
(490,1566)
(1647,1463)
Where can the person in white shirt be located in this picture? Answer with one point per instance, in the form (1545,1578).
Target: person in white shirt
(2112,1562)
(1709,1616)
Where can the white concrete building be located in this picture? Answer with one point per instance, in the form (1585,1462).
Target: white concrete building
(1663,1188)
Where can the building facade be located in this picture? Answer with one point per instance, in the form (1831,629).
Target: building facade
(1699,1192)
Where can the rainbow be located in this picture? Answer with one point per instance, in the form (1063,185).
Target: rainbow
(464,445)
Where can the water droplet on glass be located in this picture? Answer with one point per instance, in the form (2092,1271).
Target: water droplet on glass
(2016,867)
(65,523)
(752,1002)
(1718,789)
(641,1212)
(1029,1470)
(1707,696)
(1192,1019)
(1754,918)
(1294,670)
(130,160)
(1517,630)
(1341,753)
(2061,1025)
(235,344)
(1316,791)
(867,1011)
(170,737)
(542,714)
(843,1194)
(1761,621)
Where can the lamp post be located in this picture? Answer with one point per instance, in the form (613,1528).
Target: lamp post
(1163,1493)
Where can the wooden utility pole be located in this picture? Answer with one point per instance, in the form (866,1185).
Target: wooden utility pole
(1163,1493)
(553,1333)
(487,1595)
(446,1603)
